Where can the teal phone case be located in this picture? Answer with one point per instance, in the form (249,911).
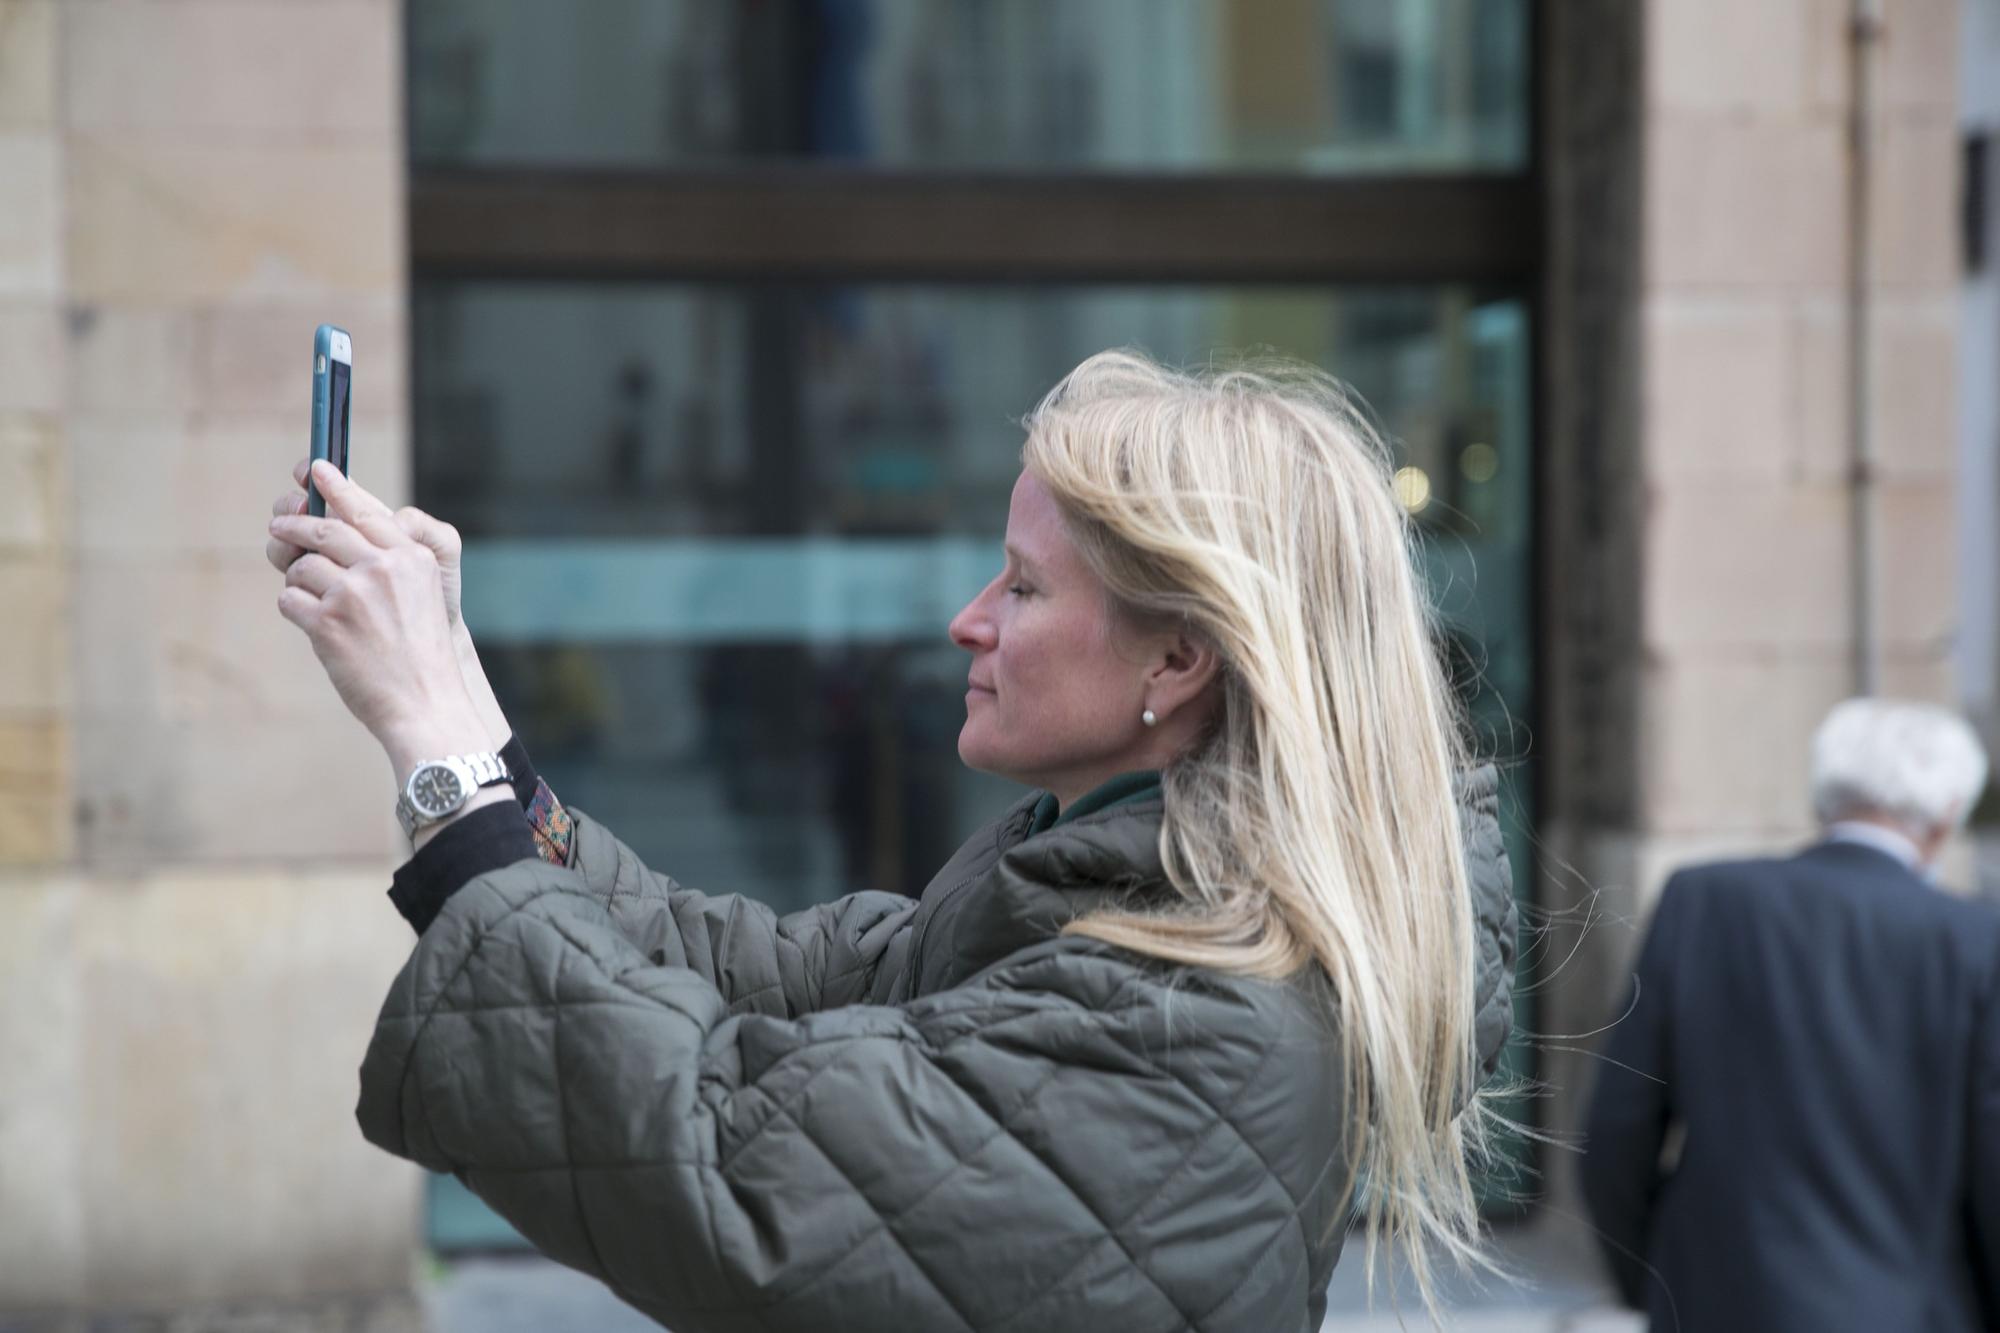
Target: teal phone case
(322,410)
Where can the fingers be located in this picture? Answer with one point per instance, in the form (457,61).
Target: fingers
(299,599)
(281,554)
(299,606)
(349,501)
(333,538)
(313,573)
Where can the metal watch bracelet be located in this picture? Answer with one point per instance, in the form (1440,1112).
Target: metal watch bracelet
(473,771)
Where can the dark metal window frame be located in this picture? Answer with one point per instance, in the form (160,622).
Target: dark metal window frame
(806,222)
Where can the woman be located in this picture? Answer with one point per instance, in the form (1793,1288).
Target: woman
(1230,974)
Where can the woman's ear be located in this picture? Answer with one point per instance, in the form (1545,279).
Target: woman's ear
(1187,667)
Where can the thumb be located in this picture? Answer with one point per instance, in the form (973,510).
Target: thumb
(441,537)
(443,540)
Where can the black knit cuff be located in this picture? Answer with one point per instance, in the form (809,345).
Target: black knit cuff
(521,768)
(489,838)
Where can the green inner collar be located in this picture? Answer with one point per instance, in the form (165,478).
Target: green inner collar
(1133,786)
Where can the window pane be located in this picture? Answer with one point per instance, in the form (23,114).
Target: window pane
(715,534)
(1307,86)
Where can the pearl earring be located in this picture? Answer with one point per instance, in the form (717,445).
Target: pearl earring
(1148,718)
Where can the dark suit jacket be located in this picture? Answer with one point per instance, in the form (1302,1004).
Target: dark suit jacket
(1817,1042)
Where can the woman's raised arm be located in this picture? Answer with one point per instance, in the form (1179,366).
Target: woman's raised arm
(820,958)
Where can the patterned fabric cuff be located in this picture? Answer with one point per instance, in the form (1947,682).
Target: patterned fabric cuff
(552,825)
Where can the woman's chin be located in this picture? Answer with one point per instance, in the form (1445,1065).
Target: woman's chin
(974,750)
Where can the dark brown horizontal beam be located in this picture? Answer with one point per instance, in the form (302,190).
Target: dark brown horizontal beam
(859,225)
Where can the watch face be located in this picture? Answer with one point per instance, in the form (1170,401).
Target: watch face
(436,790)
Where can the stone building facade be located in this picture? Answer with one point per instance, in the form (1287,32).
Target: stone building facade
(195,836)
(1698,535)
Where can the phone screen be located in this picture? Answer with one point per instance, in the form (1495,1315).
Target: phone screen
(336,414)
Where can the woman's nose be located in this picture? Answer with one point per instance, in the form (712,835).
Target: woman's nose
(970,629)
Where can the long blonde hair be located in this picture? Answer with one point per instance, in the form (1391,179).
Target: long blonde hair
(1315,821)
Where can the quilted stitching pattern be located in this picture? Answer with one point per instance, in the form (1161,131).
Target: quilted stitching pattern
(1494,913)
(684,1095)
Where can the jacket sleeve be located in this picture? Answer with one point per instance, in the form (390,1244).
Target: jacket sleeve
(819,958)
(1631,1107)
(923,1166)
(1491,879)
(1982,1177)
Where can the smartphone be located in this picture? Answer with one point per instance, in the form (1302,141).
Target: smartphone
(333,388)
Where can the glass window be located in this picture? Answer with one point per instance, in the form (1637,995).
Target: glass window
(1293,86)
(715,534)
(715,530)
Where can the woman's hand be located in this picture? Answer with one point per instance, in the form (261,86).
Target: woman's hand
(435,533)
(371,600)
(444,542)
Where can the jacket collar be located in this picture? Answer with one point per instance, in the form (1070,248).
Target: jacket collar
(1869,858)
(1009,888)
(1874,836)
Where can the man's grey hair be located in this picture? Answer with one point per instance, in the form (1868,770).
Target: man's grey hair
(1919,765)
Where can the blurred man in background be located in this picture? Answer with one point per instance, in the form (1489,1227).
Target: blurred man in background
(1797,1123)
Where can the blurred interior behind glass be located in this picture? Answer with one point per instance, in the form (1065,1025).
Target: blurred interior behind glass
(1305,86)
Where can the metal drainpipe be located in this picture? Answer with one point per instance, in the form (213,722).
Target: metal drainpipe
(1864,35)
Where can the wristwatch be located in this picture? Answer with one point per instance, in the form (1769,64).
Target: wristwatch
(439,788)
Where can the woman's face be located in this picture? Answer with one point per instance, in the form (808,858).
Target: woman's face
(1052,703)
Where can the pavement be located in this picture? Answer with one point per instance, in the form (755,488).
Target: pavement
(1558,1288)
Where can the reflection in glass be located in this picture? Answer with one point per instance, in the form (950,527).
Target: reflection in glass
(714,534)
(1306,86)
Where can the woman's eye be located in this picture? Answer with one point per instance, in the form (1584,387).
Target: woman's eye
(1018,589)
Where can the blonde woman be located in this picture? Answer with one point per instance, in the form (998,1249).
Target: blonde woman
(1226,979)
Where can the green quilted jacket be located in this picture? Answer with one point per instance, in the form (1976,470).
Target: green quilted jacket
(880,1114)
